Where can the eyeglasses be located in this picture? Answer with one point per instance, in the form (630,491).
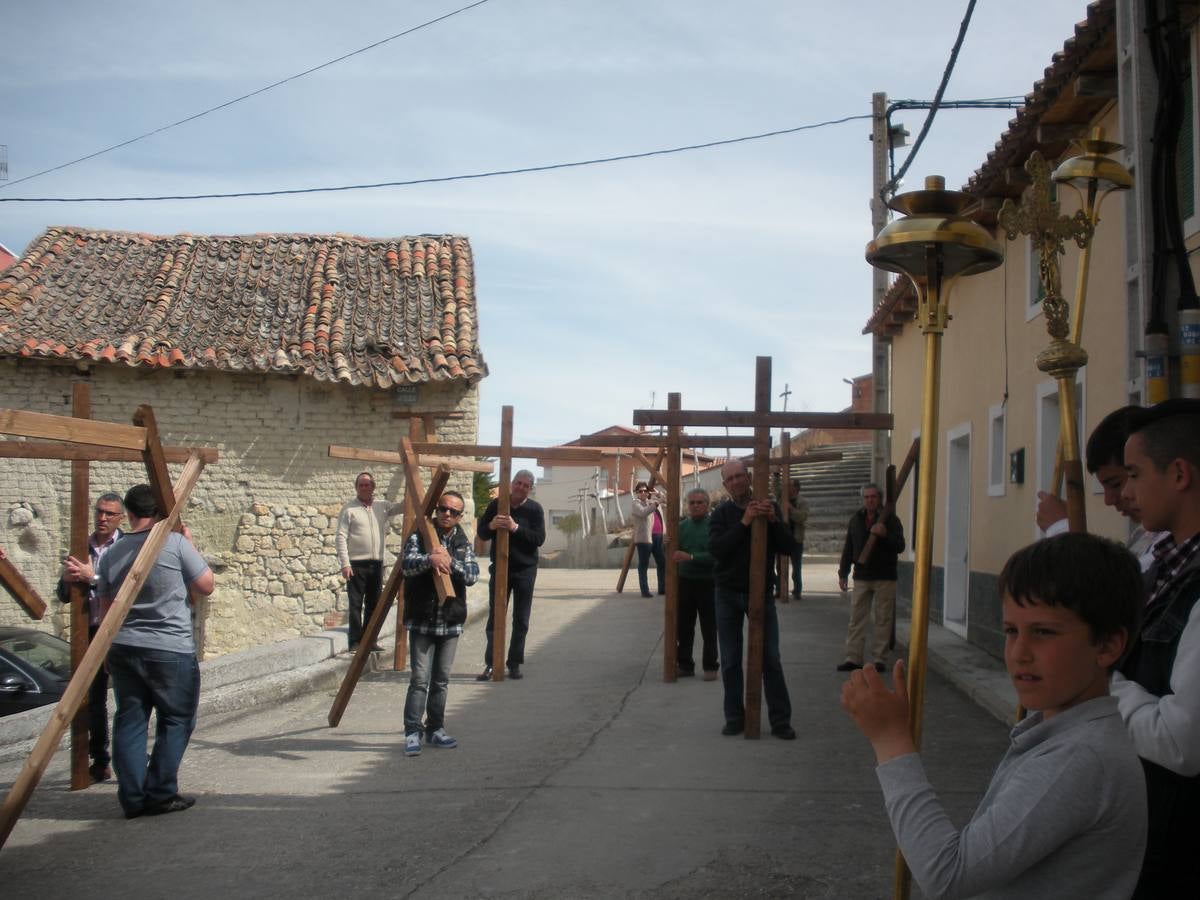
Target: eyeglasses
(450,511)
(107,513)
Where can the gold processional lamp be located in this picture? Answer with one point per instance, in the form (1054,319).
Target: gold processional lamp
(933,245)
(1093,176)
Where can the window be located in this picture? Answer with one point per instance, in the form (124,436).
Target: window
(997,460)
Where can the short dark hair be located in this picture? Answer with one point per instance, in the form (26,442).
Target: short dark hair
(455,494)
(139,501)
(640,485)
(1106,443)
(1169,430)
(360,475)
(1098,579)
(109,497)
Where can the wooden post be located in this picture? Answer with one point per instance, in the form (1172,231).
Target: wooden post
(671,544)
(35,766)
(758,554)
(895,484)
(81,408)
(499,580)
(21,590)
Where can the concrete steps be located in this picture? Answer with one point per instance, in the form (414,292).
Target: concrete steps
(833,493)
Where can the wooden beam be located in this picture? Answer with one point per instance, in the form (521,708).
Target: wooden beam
(734,419)
(67,428)
(670,545)
(391,457)
(756,602)
(554,454)
(35,765)
(438,414)
(441,580)
(21,590)
(92,453)
(499,580)
(81,408)
(629,551)
(777,462)
(690,441)
(652,467)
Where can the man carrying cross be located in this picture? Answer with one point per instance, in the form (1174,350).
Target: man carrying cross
(874,578)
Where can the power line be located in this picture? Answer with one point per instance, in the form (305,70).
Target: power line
(254,93)
(445,178)
(890,187)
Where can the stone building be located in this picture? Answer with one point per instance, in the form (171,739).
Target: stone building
(267,347)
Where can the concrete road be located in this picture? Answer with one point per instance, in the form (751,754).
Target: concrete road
(590,777)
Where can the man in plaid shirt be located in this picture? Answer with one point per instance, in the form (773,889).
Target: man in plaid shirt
(1157,684)
(433,626)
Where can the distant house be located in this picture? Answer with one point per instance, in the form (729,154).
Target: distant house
(269,347)
(7,257)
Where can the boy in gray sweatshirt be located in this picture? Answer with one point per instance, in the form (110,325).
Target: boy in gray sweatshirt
(1065,813)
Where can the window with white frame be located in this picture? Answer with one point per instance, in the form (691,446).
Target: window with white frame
(1048,428)
(997,460)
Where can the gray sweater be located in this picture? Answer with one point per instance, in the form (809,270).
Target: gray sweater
(1064,815)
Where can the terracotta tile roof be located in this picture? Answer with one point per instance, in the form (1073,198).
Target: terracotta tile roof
(1054,111)
(358,310)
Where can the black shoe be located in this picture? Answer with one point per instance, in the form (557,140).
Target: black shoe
(848,666)
(485,675)
(647,594)
(880,667)
(514,671)
(685,673)
(99,772)
(784,732)
(178,803)
(134,813)
(733,728)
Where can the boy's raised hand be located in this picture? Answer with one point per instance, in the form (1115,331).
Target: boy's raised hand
(881,714)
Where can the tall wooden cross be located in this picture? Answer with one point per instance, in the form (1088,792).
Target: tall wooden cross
(762,420)
(505,452)
(89,440)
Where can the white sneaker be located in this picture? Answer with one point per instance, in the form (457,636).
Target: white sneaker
(439,738)
(412,744)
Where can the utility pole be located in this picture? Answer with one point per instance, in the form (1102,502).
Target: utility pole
(881,449)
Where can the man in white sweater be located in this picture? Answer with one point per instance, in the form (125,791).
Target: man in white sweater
(361,532)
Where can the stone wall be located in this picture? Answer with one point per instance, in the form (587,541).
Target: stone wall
(264,515)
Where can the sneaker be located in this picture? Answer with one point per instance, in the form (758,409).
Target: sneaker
(848,666)
(176,803)
(412,744)
(485,675)
(439,738)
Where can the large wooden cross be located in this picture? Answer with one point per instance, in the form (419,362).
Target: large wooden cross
(92,440)
(418,507)
(762,420)
(505,452)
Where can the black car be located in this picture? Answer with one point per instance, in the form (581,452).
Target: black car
(34,669)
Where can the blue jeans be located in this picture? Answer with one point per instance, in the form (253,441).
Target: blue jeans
(144,680)
(732,607)
(797,561)
(644,553)
(429,658)
(520,594)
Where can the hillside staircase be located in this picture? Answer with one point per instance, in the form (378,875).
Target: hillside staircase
(833,493)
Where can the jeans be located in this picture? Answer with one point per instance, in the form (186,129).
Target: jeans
(430,658)
(363,589)
(520,594)
(732,607)
(696,601)
(168,683)
(98,712)
(644,553)
(797,561)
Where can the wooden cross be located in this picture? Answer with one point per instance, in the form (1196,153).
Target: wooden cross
(419,503)
(505,452)
(142,440)
(762,420)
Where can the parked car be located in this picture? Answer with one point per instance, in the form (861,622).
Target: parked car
(34,669)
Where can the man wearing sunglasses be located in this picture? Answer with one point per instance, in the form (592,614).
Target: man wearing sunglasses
(109,513)
(434,627)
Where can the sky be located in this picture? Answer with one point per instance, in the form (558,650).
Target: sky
(601,288)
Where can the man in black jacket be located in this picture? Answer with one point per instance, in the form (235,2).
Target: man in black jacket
(874,579)
(526,527)
(434,627)
(729,543)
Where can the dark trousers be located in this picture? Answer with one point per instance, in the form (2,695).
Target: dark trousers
(98,712)
(732,608)
(168,684)
(645,551)
(363,588)
(696,600)
(520,600)
(797,560)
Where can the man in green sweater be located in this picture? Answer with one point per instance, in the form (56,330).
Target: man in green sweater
(695,567)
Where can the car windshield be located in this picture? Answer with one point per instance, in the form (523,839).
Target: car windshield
(42,650)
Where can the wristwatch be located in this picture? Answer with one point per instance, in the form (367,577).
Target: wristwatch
(95,580)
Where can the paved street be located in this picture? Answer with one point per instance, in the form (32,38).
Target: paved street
(591,777)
